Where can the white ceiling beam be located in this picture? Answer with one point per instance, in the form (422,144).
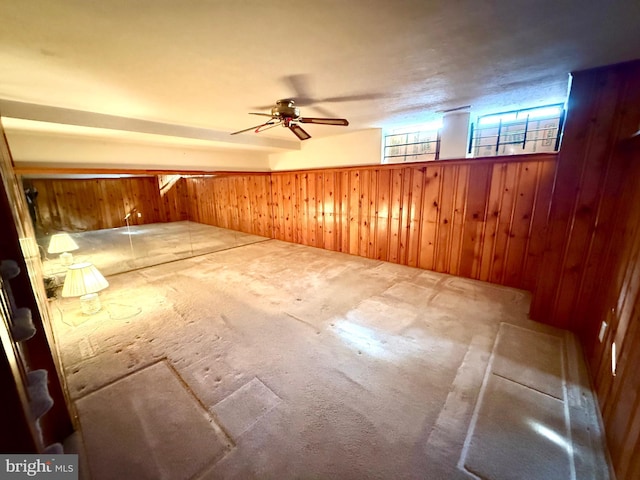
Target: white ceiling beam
(65,116)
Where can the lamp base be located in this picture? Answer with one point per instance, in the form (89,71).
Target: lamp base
(66,258)
(90,303)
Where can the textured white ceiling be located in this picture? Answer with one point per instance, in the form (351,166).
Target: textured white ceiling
(205,64)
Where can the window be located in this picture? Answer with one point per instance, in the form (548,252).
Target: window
(413,144)
(531,130)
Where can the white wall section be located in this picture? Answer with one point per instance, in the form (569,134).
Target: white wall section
(29,149)
(362,147)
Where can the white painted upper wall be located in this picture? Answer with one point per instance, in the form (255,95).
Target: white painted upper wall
(39,149)
(362,147)
(48,149)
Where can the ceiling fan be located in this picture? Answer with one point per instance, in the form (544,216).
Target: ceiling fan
(285,113)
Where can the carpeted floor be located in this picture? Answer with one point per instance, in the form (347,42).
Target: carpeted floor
(274,361)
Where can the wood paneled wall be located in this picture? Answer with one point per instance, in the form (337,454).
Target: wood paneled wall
(241,202)
(476,218)
(603,110)
(617,301)
(174,198)
(591,266)
(480,218)
(75,205)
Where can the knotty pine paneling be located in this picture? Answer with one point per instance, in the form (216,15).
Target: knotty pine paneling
(237,202)
(615,300)
(174,198)
(76,205)
(604,108)
(590,270)
(472,218)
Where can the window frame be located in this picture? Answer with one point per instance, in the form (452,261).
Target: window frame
(518,115)
(408,157)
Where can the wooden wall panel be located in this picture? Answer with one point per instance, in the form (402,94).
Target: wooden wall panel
(383,197)
(395,216)
(315,226)
(260,193)
(539,215)
(415,217)
(430,209)
(458,226)
(354,212)
(364,212)
(445,215)
(472,218)
(619,305)
(76,205)
(329,211)
(434,216)
(174,199)
(475,219)
(590,269)
(599,117)
(237,202)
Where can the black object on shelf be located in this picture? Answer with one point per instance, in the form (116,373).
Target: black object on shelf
(22,328)
(9,269)
(40,400)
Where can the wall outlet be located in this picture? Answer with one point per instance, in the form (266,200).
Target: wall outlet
(603,329)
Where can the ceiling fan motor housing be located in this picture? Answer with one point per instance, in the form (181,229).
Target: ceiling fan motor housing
(285,108)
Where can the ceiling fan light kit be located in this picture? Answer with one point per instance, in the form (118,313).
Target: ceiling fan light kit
(285,113)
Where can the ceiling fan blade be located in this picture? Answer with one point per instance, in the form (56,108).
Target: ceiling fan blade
(323,111)
(256,128)
(267,126)
(300,85)
(325,121)
(261,114)
(263,107)
(299,131)
(351,98)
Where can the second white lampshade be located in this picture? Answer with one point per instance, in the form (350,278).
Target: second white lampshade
(62,243)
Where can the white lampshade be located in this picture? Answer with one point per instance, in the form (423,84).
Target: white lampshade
(81,279)
(61,243)
(85,281)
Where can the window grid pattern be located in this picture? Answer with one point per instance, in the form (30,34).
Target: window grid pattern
(517,133)
(418,146)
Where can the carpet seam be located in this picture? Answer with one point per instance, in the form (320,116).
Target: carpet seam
(530,387)
(204,407)
(122,377)
(476,410)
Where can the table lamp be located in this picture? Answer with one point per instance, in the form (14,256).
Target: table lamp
(85,281)
(62,243)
